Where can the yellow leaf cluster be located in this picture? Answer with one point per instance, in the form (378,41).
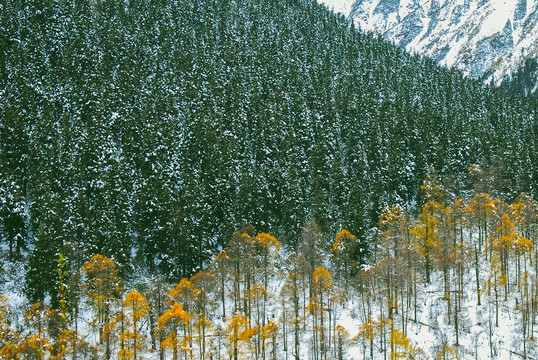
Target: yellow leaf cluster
(269,329)
(103,281)
(183,288)
(322,278)
(313,304)
(369,329)
(36,313)
(138,304)
(523,243)
(342,237)
(341,332)
(100,267)
(111,325)
(125,354)
(257,291)
(170,341)
(237,323)
(402,345)
(267,240)
(221,256)
(249,332)
(37,344)
(175,313)
(391,215)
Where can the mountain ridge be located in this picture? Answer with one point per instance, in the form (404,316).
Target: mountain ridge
(488,40)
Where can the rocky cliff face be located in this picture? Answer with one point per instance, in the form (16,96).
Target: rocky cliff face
(486,39)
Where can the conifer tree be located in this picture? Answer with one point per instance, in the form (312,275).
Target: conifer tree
(175,323)
(345,254)
(104,289)
(131,339)
(322,287)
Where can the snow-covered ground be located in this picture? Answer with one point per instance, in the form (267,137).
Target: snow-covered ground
(426,322)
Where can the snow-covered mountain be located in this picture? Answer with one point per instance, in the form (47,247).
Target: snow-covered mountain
(487,39)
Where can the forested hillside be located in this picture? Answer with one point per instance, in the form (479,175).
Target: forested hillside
(524,82)
(458,281)
(150,131)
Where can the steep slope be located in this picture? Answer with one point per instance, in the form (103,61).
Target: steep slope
(484,39)
(524,81)
(150,133)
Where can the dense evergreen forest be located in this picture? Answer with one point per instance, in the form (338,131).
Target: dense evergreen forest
(524,82)
(150,131)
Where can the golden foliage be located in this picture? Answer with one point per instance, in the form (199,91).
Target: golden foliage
(182,289)
(341,333)
(342,237)
(222,256)
(103,280)
(137,303)
(35,346)
(238,329)
(369,329)
(390,215)
(170,341)
(322,278)
(425,231)
(269,330)
(9,339)
(267,240)
(175,314)
(403,348)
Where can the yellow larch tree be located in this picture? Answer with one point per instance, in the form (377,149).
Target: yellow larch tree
(525,216)
(104,288)
(401,346)
(341,341)
(203,283)
(170,323)
(367,331)
(502,244)
(10,347)
(344,254)
(131,339)
(425,233)
(268,336)
(525,211)
(238,331)
(322,284)
(265,246)
(184,293)
(36,344)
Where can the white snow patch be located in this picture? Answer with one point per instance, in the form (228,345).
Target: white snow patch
(339,6)
(498,13)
